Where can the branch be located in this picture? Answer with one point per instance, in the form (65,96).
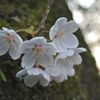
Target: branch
(44,18)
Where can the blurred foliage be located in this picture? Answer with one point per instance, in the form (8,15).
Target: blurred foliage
(22,14)
(2,76)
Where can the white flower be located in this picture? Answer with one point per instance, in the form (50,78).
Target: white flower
(34,75)
(61,34)
(72,55)
(65,62)
(65,66)
(37,51)
(10,41)
(55,74)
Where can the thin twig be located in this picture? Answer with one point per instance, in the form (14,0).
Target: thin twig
(44,18)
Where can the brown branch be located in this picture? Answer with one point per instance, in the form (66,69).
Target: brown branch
(44,18)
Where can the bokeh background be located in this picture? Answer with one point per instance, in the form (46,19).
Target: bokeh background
(26,14)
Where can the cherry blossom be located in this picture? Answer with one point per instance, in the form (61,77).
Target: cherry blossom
(55,73)
(34,75)
(37,51)
(10,42)
(61,34)
(45,61)
(65,63)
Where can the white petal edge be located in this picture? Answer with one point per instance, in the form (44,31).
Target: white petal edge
(4,46)
(71,27)
(13,51)
(65,54)
(49,49)
(45,60)
(21,73)
(80,50)
(28,60)
(30,81)
(69,41)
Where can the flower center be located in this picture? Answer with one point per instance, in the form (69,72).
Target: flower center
(10,38)
(37,48)
(59,34)
(38,66)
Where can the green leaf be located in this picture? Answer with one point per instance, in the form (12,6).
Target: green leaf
(2,76)
(29,30)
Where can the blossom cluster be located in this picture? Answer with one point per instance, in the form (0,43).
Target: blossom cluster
(45,61)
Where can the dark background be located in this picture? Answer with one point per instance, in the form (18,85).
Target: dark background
(19,14)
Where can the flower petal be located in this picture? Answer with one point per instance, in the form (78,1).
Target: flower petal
(24,47)
(65,54)
(45,75)
(60,78)
(28,60)
(64,65)
(70,71)
(29,44)
(58,44)
(38,40)
(53,71)
(21,73)
(18,39)
(49,49)
(2,33)
(30,81)
(61,23)
(71,27)
(43,82)
(13,50)
(53,32)
(45,60)
(80,50)
(5,29)
(44,79)
(4,46)
(34,71)
(76,59)
(69,41)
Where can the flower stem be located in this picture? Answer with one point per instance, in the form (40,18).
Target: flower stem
(44,17)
